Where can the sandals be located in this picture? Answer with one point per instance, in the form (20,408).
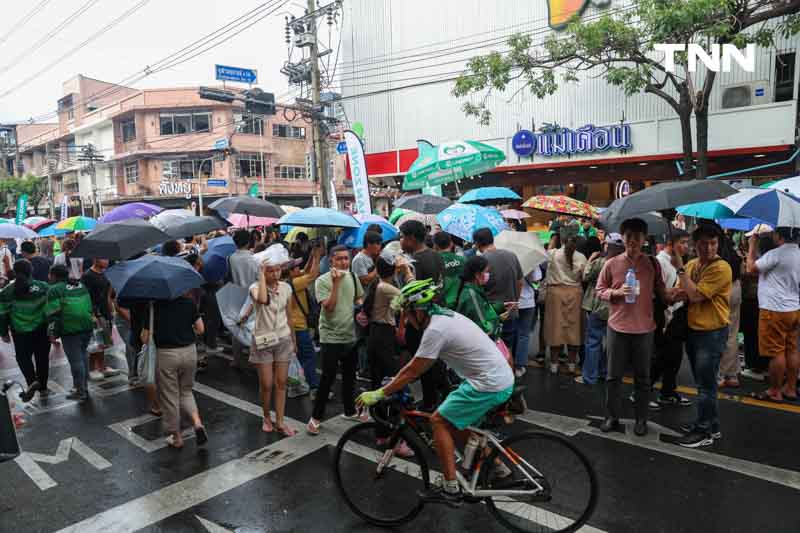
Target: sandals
(285,430)
(266,426)
(313,427)
(764,396)
(155,412)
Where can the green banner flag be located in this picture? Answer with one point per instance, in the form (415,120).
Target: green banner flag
(22,209)
(253,192)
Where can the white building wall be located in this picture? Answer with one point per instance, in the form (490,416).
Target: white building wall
(383,47)
(101,136)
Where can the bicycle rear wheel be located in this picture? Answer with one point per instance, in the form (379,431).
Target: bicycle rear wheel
(570,483)
(377,485)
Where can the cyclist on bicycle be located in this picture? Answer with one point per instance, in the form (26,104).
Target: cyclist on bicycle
(488,380)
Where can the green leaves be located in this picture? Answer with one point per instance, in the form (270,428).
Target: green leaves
(12,187)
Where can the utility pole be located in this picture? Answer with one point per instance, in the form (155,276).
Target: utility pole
(319,160)
(50,164)
(90,156)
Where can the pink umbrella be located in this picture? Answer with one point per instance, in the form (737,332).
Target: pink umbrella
(246,221)
(514,214)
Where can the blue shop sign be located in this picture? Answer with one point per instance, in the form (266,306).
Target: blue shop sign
(564,141)
(523,143)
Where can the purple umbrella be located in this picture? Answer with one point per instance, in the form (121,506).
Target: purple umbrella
(128,211)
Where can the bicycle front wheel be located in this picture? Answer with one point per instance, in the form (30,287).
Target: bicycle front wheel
(376,484)
(562,495)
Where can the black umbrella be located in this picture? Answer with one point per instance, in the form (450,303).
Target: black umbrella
(120,240)
(247,205)
(666,196)
(427,204)
(193,225)
(656,224)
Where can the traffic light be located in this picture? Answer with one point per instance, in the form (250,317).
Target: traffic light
(259,102)
(218,95)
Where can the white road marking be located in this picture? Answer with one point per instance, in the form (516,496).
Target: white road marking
(211,527)
(571,426)
(28,461)
(125,430)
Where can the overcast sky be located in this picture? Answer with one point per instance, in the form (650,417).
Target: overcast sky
(158,29)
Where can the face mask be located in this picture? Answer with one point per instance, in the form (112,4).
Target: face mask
(484,277)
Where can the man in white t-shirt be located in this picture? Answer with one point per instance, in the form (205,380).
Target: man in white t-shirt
(779,311)
(456,340)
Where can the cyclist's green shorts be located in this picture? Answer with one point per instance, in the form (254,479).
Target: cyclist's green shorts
(466,406)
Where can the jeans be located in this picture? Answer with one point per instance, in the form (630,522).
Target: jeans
(525,323)
(666,362)
(594,362)
(509,334)
(75,349)
(705,351)
(623,347)
(332,355)
(124,330)
(307,357)
(29,346)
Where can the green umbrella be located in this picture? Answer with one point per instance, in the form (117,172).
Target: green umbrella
(451,161)
(397,213)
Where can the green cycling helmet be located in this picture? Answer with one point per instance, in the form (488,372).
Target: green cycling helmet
(420,294)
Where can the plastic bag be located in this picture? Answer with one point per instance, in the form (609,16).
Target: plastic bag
(296,375)
(146,362)
(505,351)
(96,341)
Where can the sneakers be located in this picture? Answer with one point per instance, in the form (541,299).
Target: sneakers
(520,371)
(571,368)
(295,391)
(27,395)
(674,400)
(554,369)
(96,375)
(652,405)
(109,372)
(437,494)
(696,439)
(691,428)
(610,424)
(640,428)
(75,395)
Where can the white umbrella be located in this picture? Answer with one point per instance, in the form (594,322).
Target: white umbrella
(772,206)
(525,245)
(790,185)
(12,231)
(232,300)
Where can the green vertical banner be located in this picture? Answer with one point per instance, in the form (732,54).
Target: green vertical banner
(22,209)
(253,192)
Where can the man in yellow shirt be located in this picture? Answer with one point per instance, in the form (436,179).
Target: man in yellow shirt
(706,282)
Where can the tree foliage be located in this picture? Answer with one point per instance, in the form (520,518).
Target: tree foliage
(11,188)
(619,46)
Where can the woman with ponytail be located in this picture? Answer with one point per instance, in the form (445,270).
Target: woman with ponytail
(22,313)
(563,322)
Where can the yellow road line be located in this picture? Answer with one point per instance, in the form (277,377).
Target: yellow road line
(747,400)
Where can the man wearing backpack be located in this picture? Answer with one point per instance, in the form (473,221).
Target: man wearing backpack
(299,314)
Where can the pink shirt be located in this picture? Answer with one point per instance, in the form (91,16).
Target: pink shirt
(636,317)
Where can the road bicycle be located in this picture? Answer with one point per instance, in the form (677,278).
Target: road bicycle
(552,485)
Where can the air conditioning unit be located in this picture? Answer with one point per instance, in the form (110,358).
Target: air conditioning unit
(746,94)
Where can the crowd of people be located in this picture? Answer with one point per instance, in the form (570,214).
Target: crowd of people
(604,302)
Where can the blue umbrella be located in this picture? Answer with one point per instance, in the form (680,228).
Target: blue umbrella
(215,260)
(462,220)
(483,195)
(319,217)
(51,231)
(153,277)
(354,238)
(739,224)
(773,207)
(710,210)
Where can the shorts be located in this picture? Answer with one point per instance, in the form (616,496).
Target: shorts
(777,332)
(466,406)
(279,353)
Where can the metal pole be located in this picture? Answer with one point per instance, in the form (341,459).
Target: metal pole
(319,163)
(49,181)
(261,153)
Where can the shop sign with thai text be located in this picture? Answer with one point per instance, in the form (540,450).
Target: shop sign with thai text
(173,188)
(557,141)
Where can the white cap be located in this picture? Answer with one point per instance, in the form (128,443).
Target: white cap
(615,238)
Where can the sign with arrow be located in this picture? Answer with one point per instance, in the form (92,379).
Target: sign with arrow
(241,75)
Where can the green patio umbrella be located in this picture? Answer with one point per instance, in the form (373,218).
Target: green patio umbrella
(397,213)
(450,161)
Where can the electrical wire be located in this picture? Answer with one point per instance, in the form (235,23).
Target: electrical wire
(49,35)
(24,20)
(72,51)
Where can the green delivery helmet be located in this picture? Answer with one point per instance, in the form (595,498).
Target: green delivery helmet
(420,294)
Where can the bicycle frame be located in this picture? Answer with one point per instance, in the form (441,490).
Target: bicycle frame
(487,439)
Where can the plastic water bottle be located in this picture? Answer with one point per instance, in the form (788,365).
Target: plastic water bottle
(631,281)
(469,450)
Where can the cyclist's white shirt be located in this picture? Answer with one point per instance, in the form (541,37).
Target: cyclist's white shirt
(467,350)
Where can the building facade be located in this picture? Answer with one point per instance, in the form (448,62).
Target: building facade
(588,139)
(169,147)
